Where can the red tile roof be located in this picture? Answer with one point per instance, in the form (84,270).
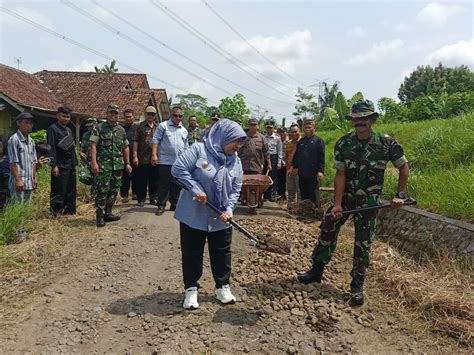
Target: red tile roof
(90,93)
(25,89)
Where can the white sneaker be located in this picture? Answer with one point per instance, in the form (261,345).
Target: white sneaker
(224,295)
(191,298)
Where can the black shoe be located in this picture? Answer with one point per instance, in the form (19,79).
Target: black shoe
(141,203)
(357,291)
(109,217)
(134,197)
(315,274)
(154,202)
(160,211)
(99,218)
(357,298)
(173,208)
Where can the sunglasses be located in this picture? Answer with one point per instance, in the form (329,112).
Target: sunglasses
(176,115)
(151,114)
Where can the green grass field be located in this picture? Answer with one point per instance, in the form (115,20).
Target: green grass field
(441,159)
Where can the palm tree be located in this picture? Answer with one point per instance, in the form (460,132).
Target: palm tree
(328,97)
(107,69)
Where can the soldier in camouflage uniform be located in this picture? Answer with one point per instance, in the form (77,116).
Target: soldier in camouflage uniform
(85,154)
(361,158)
(109,156)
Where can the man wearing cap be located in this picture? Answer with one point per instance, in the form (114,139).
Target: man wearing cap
(109,156)
(194,132)
(360,159)
(169,142)
(22,157)
(91,123)
(146,174)
(253,152)
(308,163)
(129,179)
(275,150)
(85,176)
(63,164)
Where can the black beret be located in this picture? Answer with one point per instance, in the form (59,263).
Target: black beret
(64,109)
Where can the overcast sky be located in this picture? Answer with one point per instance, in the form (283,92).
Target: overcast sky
(367,46)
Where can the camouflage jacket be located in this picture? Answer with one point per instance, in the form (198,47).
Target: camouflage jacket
(364,163)
(86,144)
(194,135)
(110,141)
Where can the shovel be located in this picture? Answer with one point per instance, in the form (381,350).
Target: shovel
(408,202)
(268,243)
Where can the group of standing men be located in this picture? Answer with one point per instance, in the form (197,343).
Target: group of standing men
(295,164)
(150,146)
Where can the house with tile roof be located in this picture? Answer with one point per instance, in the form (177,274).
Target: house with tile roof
(87,93)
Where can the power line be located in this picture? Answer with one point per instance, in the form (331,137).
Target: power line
(249,43)
(82,46)
(215,47)
(147,49)
(93,51)
(181,55)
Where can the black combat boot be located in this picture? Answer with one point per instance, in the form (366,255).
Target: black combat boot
(357,291)
(314,274)
(109,217)
(99,218)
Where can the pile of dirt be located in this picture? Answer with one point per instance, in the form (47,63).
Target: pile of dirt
(273,276)
(305,209)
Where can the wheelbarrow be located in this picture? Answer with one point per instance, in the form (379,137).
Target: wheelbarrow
(253,187)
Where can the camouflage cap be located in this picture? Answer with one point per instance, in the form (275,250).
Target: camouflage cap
(362,108)
(112,107)
(91,121)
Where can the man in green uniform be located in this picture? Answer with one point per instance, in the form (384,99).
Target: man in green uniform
(194,132)
(109,156)
(85,175)
(361,158)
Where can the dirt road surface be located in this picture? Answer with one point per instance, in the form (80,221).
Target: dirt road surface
(122,293)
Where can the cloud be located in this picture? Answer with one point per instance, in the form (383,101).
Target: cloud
(356,32)
(458,53)
(55,65)
(195,87)
(435,14)
(377,52)
(29,13)
(402,27)
(84,65)
(287,52)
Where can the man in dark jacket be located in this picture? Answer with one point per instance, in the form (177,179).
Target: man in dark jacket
(308,163)
(129,179)
(63,164)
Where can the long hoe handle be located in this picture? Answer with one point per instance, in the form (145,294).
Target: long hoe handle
(253,239)
(408,202)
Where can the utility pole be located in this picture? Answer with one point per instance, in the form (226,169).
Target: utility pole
(18,61)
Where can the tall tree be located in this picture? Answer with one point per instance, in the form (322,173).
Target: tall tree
(193,105)
(307,104)
(106,68)
(234,108)
(429,81)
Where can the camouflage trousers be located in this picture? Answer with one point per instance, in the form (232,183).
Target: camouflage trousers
(364,225)
(106,186)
